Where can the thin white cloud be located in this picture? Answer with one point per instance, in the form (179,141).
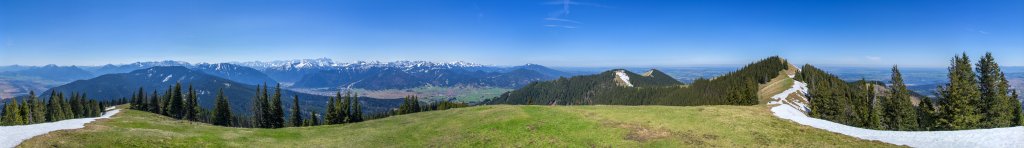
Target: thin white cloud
(559,27)
(563,20)
(873,58)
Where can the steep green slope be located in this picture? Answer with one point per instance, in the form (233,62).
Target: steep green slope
(482,126)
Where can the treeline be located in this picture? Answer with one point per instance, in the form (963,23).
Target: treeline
(734,88)
(411,104)
(31,110)
(172,103)
(267,109)
(971,100)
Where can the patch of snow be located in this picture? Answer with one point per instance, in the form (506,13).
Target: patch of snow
(625,78)
(14,135)
(995,137)
(167,78)
(783,98)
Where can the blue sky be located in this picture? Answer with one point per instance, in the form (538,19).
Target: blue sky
(925,33)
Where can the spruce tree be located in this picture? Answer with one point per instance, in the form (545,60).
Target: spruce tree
(995,103)
(346,108)
(958,103)
(11,114)
(53,108)
(177,107)
(276,111)
(296,117)
(259,109)
(1018,111)
(926,114)
(875,117)
(315,121)
(24,111)
(357,110)
(154,103)
(76,106)
(186,106)
(222,110)
(330,115)
(66,107)
(905,115)
(37,108)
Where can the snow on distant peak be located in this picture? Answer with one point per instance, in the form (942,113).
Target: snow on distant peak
(168,78)
(623,77)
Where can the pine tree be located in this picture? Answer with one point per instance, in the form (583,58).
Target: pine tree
(65,107)
(11,114)
(276,111)
(875,117)
(330,115)
(154,103)
(177,108)
(296,118)
(314,120)
(76,106)
(357,110)
(346,108)
(166,102)
(222,110)
(995,103)
(926,114)
(959,99)
(903,109)
(24,111)
(53,108)
(1018,111)
(189,105)
(259,109)
(38,108)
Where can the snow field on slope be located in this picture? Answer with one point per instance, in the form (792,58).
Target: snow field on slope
(995,137)
(13,135)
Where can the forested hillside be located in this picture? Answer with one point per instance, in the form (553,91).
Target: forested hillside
(975,98)
(652,88)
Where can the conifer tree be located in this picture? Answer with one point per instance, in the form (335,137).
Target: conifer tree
(38,108)
(330,115)
(276,111)
(259,109)
(24,111)
(154,103)
(903,113)
(926,114)
(189,107)
(53,111)
(222,110)
(11,114)
(76,106)
(346,107)
(1018,111)
(177,108)
(357,110)
(65,107)
(315,121)
(958,102)
(996,103)
(296,117)
(185,105)
(875,117)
